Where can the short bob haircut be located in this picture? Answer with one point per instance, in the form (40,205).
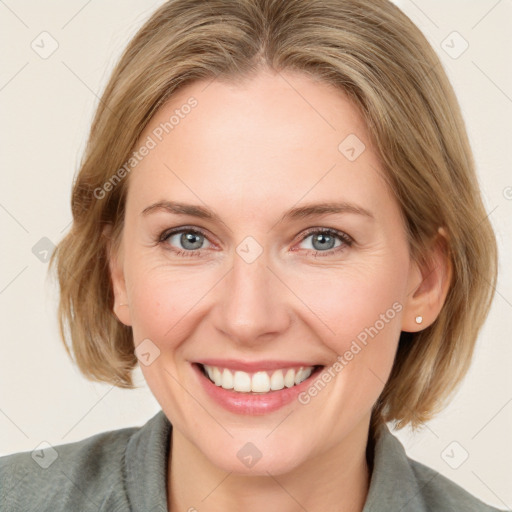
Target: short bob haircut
(371,51)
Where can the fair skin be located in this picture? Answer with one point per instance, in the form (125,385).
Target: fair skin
(250,153)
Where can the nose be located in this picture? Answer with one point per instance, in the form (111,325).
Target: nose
(253,303)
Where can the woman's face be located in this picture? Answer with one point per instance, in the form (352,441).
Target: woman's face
(252,282)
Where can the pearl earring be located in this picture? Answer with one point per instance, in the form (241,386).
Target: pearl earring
(119,305)
(419,319)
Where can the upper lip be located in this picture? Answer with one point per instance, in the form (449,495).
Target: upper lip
(251,366)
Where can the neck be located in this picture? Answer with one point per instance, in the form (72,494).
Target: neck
(337,479)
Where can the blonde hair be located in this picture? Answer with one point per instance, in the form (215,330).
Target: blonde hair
(371,51)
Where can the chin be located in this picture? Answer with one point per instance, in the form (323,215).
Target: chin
(256,459)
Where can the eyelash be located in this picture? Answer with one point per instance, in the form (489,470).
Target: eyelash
(346,239)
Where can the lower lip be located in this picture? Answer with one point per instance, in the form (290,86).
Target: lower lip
(252,403)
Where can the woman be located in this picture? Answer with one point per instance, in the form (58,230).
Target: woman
(277,215)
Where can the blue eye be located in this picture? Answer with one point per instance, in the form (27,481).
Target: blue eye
(323,241)
(189,241)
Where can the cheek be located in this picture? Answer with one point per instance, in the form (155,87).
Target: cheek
(360,312)
(164,300)
(359,305)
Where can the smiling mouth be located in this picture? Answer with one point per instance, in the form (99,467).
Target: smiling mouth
(259,382)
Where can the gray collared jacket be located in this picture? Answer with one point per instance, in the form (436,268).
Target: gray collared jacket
(125,470)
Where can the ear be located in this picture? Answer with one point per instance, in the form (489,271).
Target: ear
(428,285)
(115,265)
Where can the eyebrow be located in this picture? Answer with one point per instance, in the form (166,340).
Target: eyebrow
(300,212)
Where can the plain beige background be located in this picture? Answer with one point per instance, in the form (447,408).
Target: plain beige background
(56,58)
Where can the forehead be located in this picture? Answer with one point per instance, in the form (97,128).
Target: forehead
(273,139)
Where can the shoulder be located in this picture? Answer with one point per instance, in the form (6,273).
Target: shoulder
(401,483)
(73,476)
(441,493)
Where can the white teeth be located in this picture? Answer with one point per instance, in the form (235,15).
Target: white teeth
(259,382)
(289,378)
(217,377)
(241,381)
(302,375)
(277,381)
(227,379)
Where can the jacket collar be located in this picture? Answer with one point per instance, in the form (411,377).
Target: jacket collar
(146,460)
(393,484)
